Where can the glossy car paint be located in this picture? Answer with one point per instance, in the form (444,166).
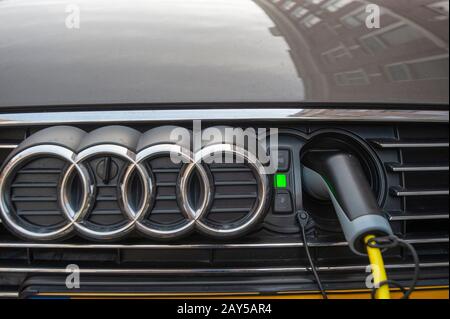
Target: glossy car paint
(213,51)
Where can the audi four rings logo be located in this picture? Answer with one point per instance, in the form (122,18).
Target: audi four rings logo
(76,213)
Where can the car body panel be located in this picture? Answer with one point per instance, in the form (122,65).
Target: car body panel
(221,51)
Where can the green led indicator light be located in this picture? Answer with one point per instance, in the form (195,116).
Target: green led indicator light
(280,181)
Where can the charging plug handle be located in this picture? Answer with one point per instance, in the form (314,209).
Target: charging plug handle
(339,177)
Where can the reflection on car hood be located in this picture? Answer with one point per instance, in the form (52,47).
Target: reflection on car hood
(190,51)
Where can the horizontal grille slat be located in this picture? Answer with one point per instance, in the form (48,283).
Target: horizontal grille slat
(39,213)
(101,212)
(166,197)
(39,171)
(112,185)
(9,144)
(235,245)
(165,170)
(230,169)
(211,271)
(235,183)
(9,294)
(33,185)
(393,143)
(397,167)
(235,196)
(400,216)
(229,210)
(405,192)
(106,198)
(165,211)
(34,199)
(166,184)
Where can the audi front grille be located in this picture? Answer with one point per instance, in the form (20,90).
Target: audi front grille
(108,197)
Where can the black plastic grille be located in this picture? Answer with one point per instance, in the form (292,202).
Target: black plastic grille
(106,210)
(34,192)
(422,170)
(415,158)
(166,210)
(235,192)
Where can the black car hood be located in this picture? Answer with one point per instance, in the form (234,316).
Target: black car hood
(212,51)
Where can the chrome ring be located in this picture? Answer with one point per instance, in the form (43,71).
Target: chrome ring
(18,225)
(263,190)
(76,218)
(79,218)
(147,228)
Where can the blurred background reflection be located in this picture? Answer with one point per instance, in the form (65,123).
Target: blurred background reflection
(342,59)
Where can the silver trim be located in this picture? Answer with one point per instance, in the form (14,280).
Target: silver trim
(77,221)
(400,216)
(254,215)
(285,114)
(166,247)
(157,231)
(209,271)
(392,143)
(8,146)
(298,244)
(397,167)
(79,218)
(8,214)
(428,240)
(9,294)
(403,192)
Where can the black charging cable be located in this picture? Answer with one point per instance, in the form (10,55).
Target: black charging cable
(393,241)
(303,220)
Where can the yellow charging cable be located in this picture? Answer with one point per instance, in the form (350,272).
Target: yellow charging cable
(378,270)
